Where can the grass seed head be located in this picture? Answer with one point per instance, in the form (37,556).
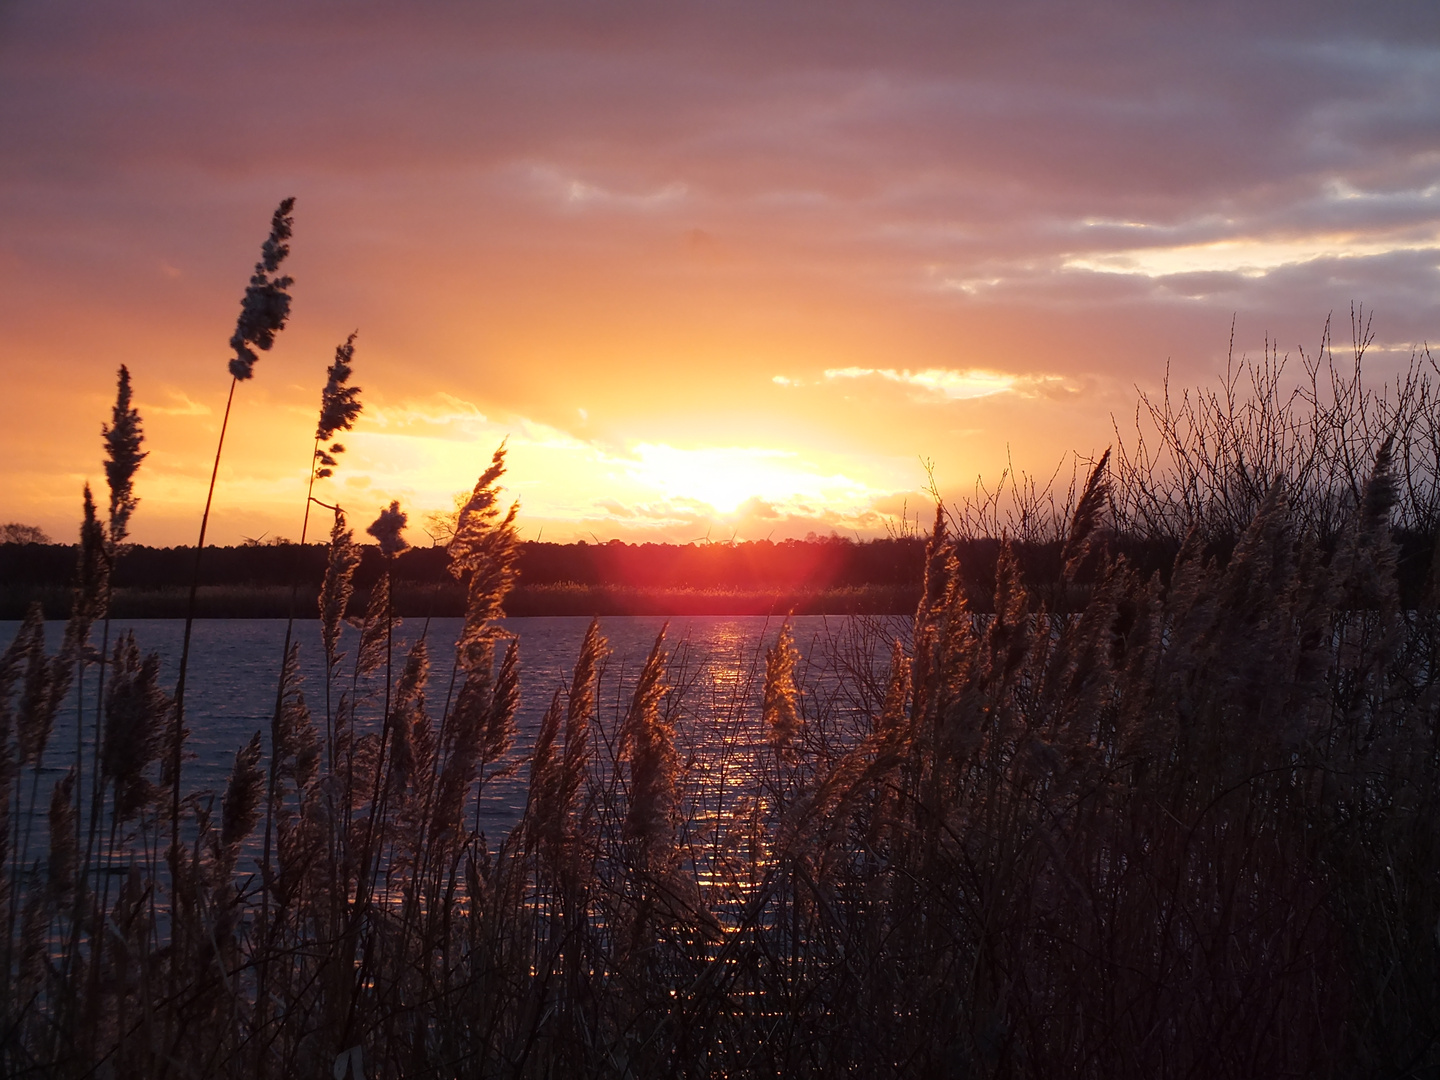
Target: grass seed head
(63,847)
(542,806)
(485,547)
(123,436)
(136,714)
(266,304)
(580,712)
(343,559)
(407,706)
(240,808)
(376,631)
(90,596)
(498,734)
(781,712)
(46,681)
(651,816)
(297,745)
(339,408)
(1088,519)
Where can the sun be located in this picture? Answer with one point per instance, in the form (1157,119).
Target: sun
(724,478)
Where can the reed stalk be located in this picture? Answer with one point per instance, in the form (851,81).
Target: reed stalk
(339,407)
(1095,819)
(263,313)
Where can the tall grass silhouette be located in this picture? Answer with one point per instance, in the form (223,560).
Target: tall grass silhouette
(1124,823)
(264,309)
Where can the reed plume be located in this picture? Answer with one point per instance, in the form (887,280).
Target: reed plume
(45,683)
(386,529)
(64,846)
(891,720)
(780,713)
(240,807)
(22,662)
(135,714)
(292,810)
(1367,559)
(461,757)
(650,741)
(938,582)
(264,310)
(1085,525)
(90,595)
(498,732)
(480,729)
(340,565)
(377,629)
(339,408)
(546,769)
(13,659)
(477,519)
(579,715)
(406,710)
(484,549)
(123,437)
(266,304)
(296,749)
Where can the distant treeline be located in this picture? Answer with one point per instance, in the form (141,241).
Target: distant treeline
(827,576)
(831,575)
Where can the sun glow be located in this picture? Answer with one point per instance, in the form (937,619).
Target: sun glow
(726,477)
(426,451)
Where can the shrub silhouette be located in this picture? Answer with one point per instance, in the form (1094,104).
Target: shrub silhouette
(1129,821)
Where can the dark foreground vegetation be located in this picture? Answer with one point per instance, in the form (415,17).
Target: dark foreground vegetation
(1129,823)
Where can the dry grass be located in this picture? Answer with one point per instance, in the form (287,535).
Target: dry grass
(1127,825)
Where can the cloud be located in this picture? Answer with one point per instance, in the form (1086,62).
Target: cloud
(615,508)
(759,509)
(442,415)
(1248,257)
(423,450)
(688,520)
(575,193)
(722,478)
(184,406)
(946,384)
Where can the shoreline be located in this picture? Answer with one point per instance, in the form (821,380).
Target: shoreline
(420,600)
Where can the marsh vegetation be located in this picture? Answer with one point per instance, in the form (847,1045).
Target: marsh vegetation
(1116,821)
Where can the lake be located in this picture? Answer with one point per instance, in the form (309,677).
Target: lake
(717,662)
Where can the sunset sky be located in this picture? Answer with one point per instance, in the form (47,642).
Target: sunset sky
(716,269)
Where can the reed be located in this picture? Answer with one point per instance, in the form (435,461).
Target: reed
(264,310)
(291,735)
(1120,823)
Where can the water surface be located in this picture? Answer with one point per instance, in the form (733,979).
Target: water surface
(717,664)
